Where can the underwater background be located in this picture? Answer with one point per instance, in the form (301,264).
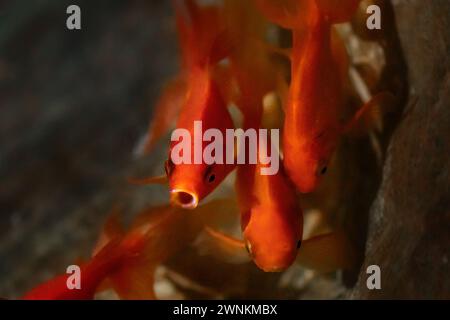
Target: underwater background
(75,104)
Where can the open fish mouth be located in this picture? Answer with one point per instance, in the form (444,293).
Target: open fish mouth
(184,199)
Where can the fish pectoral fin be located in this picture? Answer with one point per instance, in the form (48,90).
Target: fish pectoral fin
(222,246)
(327,253)
(162,179)
(370,116)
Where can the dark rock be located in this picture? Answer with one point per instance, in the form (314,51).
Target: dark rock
(409,224)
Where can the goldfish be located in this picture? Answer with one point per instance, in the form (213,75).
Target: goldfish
(272,227)
(274,244)
(167,230)
(115,255)
(271,220)
(315,109)
(203,43)
(126,260)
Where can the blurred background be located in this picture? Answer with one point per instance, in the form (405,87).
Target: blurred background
(75,104)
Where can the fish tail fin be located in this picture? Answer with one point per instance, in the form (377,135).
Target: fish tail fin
(326,253)
(202,33)
(370,116)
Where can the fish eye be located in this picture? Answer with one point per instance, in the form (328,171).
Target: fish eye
(209,175)
(299,243)
(321,170)
(169,166)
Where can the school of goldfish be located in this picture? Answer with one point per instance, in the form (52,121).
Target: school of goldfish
(228,59)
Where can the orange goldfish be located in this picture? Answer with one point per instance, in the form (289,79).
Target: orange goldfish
(126,261)
(313,121)
(271,220)
(115,255)
(203,43)
(167,229)
(316,101)
(272,228)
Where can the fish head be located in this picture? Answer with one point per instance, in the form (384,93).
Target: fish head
(191,183)
(307,175)
(272,239)
(306,163)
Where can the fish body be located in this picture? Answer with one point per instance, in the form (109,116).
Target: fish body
(315,105)
(203,45)
(312,125)
(111,258)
